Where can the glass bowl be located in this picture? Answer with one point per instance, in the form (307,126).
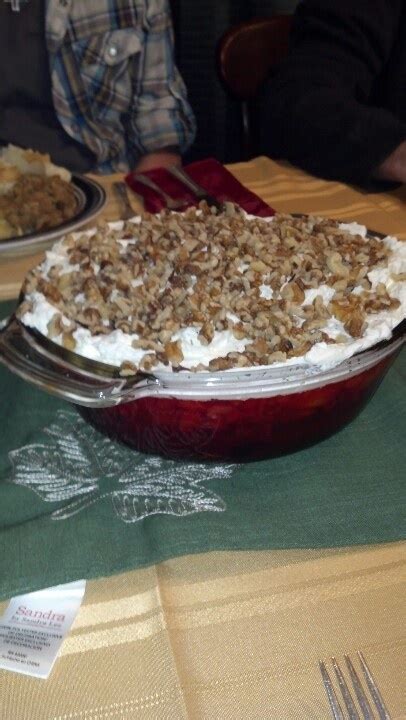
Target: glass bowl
(255,426)
(235,415)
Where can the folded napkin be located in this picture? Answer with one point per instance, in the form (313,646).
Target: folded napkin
(211,175)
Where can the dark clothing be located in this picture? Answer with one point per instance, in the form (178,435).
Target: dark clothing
(337,106)
(27,114)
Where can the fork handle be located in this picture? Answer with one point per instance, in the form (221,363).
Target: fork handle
(185,179)
(120,189)
(196,189)
(144,180)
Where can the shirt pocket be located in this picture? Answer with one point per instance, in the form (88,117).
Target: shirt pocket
(108,62)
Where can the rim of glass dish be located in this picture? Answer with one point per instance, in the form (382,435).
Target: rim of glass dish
(233,383)
(260,379)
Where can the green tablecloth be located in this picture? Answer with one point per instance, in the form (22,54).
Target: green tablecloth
(74,504)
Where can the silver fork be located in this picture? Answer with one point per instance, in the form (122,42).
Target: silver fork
(171,203)
(198,191)
(364,702)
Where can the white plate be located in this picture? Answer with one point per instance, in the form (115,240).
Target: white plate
(91,198)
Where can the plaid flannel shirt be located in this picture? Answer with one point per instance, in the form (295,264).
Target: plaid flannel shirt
(115,85)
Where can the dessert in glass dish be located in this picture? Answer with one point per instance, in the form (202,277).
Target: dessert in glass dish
(214,335)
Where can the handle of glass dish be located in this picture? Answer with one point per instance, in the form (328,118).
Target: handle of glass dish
(20,353)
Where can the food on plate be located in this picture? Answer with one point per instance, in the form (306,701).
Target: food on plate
(37,203)
(35,194)
(15,161)
(204,290)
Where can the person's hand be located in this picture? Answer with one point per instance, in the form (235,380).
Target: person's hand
(159,159)
(394,166)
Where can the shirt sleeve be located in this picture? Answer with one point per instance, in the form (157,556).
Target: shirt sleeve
(161,116)
(322,110)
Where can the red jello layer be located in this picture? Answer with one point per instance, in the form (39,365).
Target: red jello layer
(238,430)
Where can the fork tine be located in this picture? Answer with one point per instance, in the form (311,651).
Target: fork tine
(362,698)
(349,703)
(332,697)
(373,689)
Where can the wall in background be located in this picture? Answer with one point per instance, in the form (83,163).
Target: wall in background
(264,8)
(198,26)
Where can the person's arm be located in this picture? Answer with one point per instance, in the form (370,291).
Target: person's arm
(161,158)
(393,168)
(162,124)
(317,110)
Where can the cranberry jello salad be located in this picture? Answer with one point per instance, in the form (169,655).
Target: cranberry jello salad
(204,290)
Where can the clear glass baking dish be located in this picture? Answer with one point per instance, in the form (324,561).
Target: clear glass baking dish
(236,415)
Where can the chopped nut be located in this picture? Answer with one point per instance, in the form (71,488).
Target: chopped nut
(55,326)
(24,307)
(355,324)
(68,341)
(259,266)
(221,364)
(148,362)
(276,357)
(173,352)
(50,291)
(206,334)
(127,369)
(238,331)
(336,265)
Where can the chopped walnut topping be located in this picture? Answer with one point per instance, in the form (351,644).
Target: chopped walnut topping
(55,326)
(128,368)
(215,272)
(68,341)
(174,353)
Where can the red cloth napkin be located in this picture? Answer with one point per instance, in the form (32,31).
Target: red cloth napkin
(212,176)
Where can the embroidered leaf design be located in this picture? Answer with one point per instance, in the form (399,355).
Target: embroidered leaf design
(168,487)
(74,464)
(60,467)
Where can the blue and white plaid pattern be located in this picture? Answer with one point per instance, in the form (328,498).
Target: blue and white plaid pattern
(116,88)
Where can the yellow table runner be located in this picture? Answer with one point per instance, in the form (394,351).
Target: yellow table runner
(237,635)
(224,636)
